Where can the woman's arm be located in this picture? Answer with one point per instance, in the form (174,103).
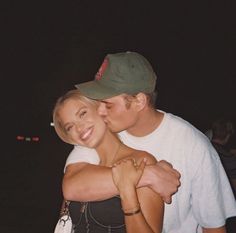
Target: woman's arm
(143,208)
(150,218)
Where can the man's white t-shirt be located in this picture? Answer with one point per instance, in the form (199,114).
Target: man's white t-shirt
(205,197)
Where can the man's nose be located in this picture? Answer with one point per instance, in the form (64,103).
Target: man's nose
(102,110)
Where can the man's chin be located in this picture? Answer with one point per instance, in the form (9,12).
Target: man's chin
(114,129)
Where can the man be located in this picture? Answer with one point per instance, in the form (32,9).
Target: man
(124,84)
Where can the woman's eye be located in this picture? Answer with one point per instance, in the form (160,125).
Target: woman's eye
(82,114)
(68,128)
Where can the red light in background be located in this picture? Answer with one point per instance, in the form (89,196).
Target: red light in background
(20,138)
(27,139)
(35,139)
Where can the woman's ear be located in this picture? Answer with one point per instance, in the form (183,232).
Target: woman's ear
(141,101)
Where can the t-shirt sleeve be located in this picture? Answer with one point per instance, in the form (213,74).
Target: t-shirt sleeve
(212,197)
(82,154)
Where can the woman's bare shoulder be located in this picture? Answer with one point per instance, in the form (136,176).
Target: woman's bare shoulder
(140,155)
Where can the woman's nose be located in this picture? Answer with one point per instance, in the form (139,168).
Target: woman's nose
(78,127)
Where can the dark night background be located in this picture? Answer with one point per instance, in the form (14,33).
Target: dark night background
(48,46)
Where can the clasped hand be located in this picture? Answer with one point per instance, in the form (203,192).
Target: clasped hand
(127,173)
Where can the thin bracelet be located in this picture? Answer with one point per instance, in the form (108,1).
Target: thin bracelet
(132,213)
(132,209)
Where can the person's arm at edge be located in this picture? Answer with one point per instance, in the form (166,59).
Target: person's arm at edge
(87,182)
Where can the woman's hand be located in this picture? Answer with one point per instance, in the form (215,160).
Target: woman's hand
(126,173)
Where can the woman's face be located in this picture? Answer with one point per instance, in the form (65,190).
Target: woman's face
(82,123)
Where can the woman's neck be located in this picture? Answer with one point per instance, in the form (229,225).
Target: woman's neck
(108,149)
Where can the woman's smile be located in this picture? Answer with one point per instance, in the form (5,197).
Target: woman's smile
(85,134)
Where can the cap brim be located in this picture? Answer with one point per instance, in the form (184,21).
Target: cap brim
(94,90)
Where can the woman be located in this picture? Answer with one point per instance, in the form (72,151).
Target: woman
(135,210)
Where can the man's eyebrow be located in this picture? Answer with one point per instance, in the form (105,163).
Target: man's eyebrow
(105,102)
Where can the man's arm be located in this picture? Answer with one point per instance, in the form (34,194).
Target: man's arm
(87,182)
(161,178)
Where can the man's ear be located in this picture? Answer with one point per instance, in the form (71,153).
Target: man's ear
(141,101)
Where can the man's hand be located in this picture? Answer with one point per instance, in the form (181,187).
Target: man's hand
(163,179)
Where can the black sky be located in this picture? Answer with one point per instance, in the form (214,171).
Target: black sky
(49,46)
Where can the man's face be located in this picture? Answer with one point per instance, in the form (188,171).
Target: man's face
(117,114)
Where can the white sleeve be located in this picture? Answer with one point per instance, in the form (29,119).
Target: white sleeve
(212,198)
(82,154)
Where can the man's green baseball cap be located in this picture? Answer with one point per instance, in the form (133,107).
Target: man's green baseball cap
(120,73)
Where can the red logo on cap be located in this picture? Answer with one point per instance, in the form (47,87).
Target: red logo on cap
(101,70)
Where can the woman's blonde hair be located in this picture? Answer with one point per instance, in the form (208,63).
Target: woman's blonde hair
(72,94)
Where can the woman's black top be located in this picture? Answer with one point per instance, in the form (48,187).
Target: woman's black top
(98,217)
